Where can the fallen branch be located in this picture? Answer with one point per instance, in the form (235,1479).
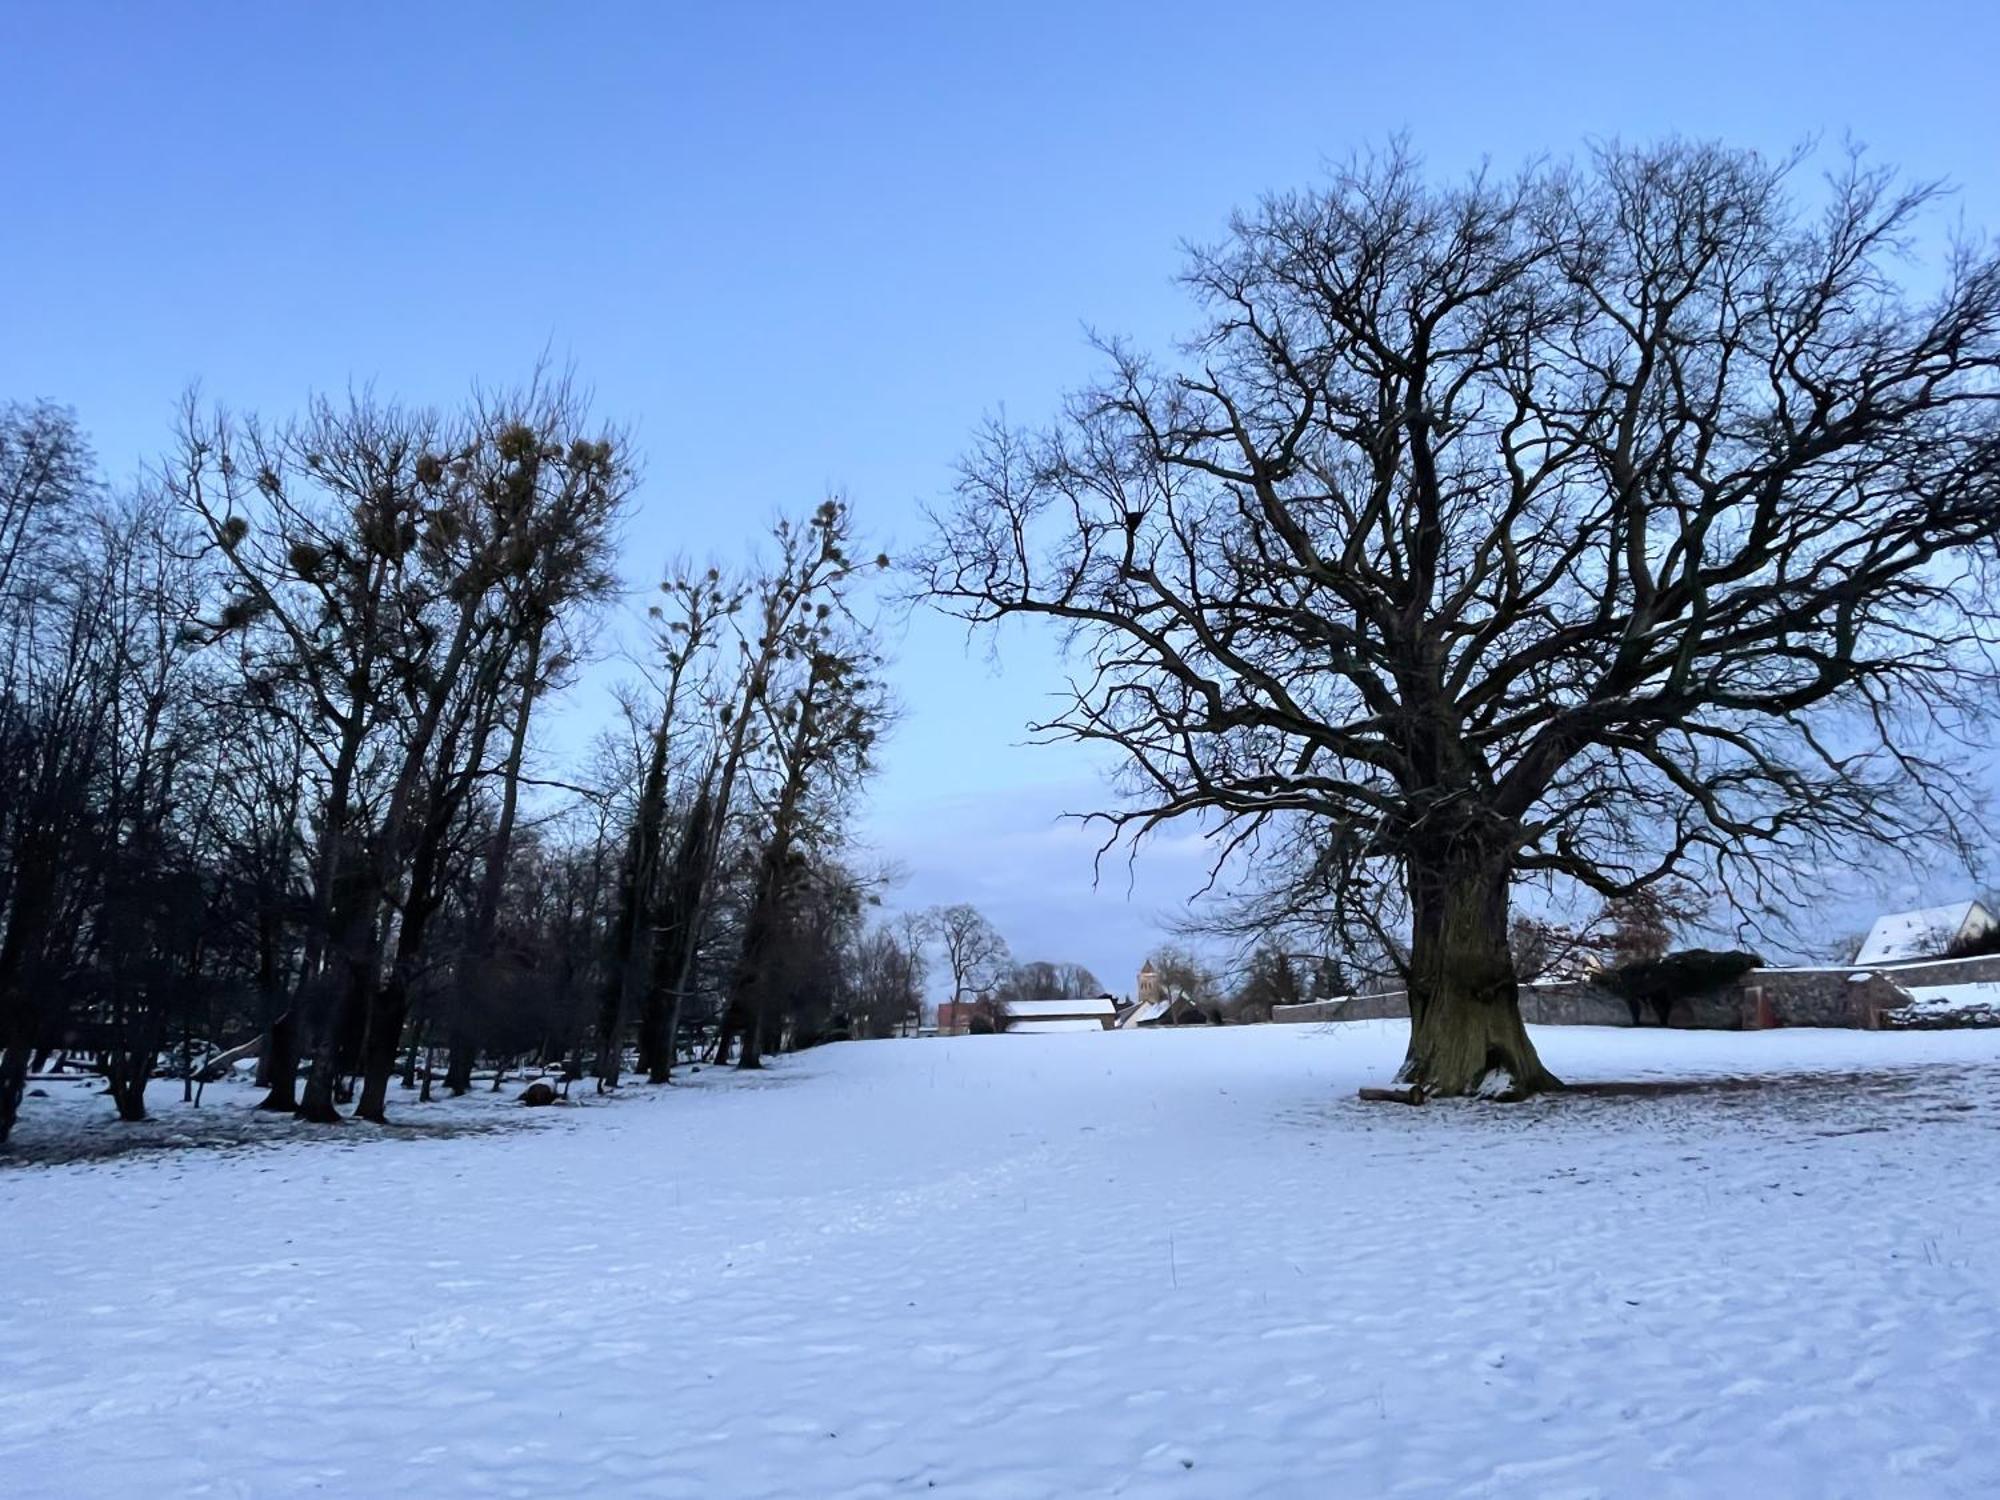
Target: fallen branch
(219,1065)
(1409,1095)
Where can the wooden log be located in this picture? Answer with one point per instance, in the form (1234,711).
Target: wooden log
(1393,1096)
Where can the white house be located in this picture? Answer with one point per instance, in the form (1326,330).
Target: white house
(1906,936)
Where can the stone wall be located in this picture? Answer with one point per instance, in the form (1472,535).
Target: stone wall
(1572,1004)
(1541,1005)
(1388,1005)
(1844,996)
(1848,996)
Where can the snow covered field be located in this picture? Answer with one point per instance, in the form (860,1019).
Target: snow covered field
(1174,1264)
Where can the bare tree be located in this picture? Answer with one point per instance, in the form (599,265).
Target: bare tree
(800,598)
(1639,927)
(889,980)
(824,738)
(1586,526)
(975,955)
(1185,976)
(266,730)
(405,572)
(1270,979)
(56,721)
(684,631)
(1039,979)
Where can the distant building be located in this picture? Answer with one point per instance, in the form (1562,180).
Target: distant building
(1028,1017)
(969,1017)
(1149,983)
(1932,932)
(1156,1005)
(954,1017)
(1168,1010)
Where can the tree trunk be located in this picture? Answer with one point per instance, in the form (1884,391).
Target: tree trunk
(281,1062)
(346,992)
(271,1002)
(23,1019)
(379,1049)
(126,1072)
(1466,1035)
(463,1036)
(674,925)
(317,1104)
(13,1083)
(630,934)
(389,1007)
(458,1064)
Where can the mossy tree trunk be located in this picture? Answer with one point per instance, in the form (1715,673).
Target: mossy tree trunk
(1466,1034)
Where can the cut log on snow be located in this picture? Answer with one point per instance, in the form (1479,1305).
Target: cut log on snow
(1392,1096)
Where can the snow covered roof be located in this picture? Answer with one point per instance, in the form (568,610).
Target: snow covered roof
(1924,933)
(1046,1009)
(1138,1015)
(1036,1028)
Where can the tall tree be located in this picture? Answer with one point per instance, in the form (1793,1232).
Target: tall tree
(975,955)
(686,628)
(799,596)
(400,568)
(824,740)
(58,664)
(1039,979)
(889,980)
(1588,526)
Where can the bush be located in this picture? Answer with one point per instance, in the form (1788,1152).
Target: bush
(1977,945)
(1657,983)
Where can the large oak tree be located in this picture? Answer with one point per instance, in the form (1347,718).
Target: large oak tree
(1598,524)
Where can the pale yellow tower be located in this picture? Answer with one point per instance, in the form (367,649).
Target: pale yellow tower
(1149,983)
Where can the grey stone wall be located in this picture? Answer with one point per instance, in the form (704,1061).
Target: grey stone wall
(1567,1004)
(1850,996)
(1389,1005)
(1541,1005)
(1834,996)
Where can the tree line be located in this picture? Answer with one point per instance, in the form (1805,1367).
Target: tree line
(269,783)
(1615,528)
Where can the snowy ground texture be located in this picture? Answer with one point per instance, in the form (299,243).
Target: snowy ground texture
(1146,1264)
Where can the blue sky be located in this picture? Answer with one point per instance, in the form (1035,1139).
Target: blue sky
(802,247)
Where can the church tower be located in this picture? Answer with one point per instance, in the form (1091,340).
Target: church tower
(1149,983)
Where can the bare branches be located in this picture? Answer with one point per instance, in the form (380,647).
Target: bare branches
(1621,518)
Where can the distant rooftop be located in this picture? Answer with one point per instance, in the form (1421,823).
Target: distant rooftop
(1099,1005)
(1925,933)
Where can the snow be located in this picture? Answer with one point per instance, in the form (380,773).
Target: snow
(1175,1263)
(1926,933)
(1152,1010)
(1061,1009)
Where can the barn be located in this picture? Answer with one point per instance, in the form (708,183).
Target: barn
(1027,1017)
